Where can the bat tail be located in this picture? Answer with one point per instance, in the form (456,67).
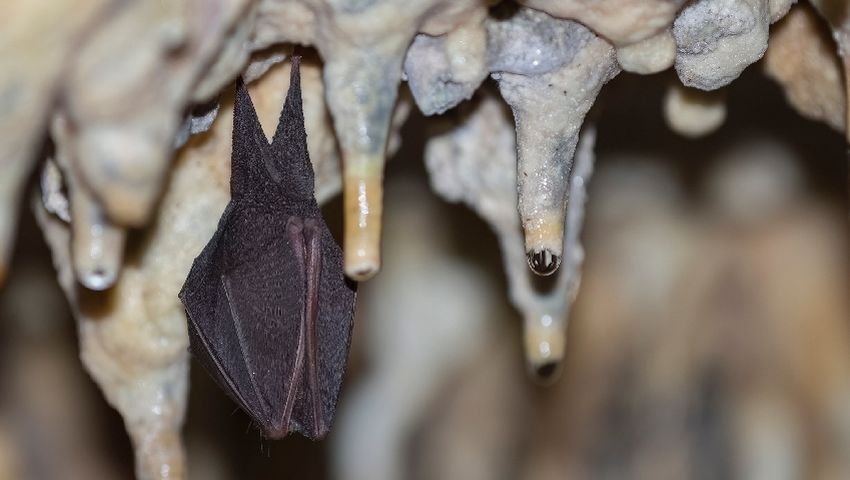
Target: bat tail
(289,144)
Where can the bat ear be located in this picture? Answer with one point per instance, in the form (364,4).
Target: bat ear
(249,143)
(289,145)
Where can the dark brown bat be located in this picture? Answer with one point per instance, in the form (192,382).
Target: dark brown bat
(270,309)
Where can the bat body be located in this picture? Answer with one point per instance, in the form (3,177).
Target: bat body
(270,309)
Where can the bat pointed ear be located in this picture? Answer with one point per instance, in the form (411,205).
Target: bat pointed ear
(249,143)
(289,145)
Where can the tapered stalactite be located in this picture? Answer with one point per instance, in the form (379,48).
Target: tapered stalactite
(474,164)
(97,245)
(549,105)
(126,93)
(36,39)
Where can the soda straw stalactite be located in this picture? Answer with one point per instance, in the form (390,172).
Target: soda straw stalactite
(363,54)
(361,101)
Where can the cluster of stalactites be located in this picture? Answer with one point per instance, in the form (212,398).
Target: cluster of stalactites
(118,86)
(113,85)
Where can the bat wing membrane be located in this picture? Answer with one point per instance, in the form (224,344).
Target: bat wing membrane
(245,321)
(207,355)
(203,304)
(264,298)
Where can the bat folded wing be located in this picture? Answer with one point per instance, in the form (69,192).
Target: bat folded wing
(247,329)
(273,326)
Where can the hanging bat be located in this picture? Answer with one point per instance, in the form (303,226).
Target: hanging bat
(270,309)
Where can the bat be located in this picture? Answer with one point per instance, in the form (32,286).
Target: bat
(270,311)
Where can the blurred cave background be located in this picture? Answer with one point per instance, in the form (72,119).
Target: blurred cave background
(709,339)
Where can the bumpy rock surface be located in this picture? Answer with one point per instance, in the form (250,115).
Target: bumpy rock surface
(801,58)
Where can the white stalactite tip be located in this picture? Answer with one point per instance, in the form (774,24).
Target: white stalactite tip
(694,113)
(97,245)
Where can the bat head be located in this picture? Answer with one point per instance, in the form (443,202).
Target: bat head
(280,169)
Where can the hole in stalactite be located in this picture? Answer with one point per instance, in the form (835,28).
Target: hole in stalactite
(546,371)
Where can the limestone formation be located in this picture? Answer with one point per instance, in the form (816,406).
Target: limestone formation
(115,96)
